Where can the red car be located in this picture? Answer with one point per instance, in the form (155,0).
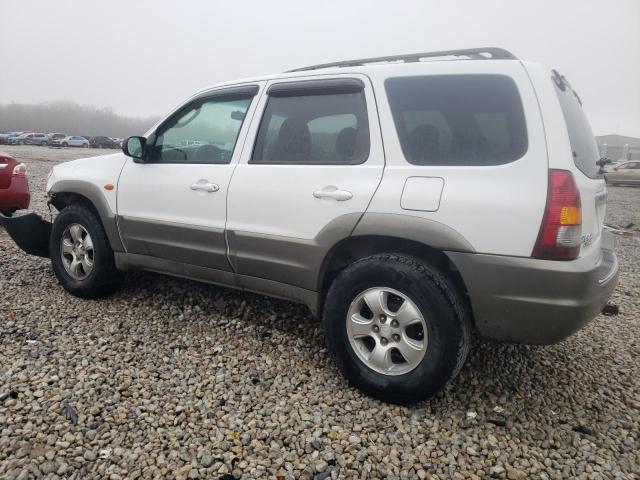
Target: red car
(14,187)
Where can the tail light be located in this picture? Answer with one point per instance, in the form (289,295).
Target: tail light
(561,229)
(20,170)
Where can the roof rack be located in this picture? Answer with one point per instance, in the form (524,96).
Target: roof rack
(487,53)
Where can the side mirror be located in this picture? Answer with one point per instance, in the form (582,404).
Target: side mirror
(237,115)
(135,147)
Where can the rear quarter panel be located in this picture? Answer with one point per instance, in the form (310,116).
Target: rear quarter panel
(497,209)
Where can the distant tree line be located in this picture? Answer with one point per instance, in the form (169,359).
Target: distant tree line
(72,119)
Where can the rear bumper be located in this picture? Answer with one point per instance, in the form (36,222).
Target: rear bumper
(525,300)
(16,196)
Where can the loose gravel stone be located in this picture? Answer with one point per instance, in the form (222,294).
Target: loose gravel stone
(177,379)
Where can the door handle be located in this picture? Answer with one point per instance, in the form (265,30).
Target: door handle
(334,193)
(205,187)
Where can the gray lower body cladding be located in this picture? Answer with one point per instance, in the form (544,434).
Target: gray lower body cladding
(182,243)
(225,278)
(513,299)
(525,300)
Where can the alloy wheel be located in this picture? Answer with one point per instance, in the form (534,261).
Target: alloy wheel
(387,331)
(76,250)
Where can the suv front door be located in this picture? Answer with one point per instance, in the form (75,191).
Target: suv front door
(314,166)
(173,205)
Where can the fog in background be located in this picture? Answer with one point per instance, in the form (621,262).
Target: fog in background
(71,118)
(142,58)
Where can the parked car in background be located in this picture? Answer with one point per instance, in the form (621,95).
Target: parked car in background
(14,187)
(627,173)
(102,142)
(118,141)
(71,141)
(56,136)
(30,139)
(37,139)
(19,138)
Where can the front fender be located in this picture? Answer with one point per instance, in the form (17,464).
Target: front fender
(30,232)
(97,199)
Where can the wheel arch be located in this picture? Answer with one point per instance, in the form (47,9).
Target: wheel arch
(354,248)
(64,194)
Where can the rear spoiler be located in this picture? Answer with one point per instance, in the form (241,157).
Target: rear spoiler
(30,232)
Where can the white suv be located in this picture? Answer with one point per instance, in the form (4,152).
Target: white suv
(407,200)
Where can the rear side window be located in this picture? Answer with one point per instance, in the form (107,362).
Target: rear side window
(458,119)
(318,127)
(583,144)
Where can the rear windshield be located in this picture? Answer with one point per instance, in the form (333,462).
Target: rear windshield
(458,119)
(583,143)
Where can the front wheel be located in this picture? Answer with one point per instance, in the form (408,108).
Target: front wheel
(85,145)
(397,327)
(81,256)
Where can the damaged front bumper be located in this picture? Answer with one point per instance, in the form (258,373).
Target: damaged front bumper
(30,232)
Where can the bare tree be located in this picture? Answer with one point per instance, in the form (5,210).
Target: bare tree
(70,118)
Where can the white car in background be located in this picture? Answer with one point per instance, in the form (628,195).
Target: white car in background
(71,141)
(627,173)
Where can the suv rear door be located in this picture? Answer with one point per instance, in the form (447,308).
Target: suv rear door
(305,179)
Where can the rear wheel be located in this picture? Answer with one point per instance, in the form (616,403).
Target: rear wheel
(43,144)
(397,327)
(81,256)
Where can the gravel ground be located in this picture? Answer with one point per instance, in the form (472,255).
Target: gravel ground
(175,379)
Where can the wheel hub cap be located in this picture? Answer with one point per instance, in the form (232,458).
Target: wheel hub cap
(387,331)
(76,251)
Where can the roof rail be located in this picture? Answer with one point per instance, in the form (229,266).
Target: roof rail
(486,53)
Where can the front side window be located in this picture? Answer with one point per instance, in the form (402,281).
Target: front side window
(205,132)
(458,119)
(318,128)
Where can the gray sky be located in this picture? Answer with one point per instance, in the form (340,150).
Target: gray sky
(143,57)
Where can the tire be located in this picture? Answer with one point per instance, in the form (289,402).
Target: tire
(103,277)
(43,144)
(438,301)
(85,145)
(65,144)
